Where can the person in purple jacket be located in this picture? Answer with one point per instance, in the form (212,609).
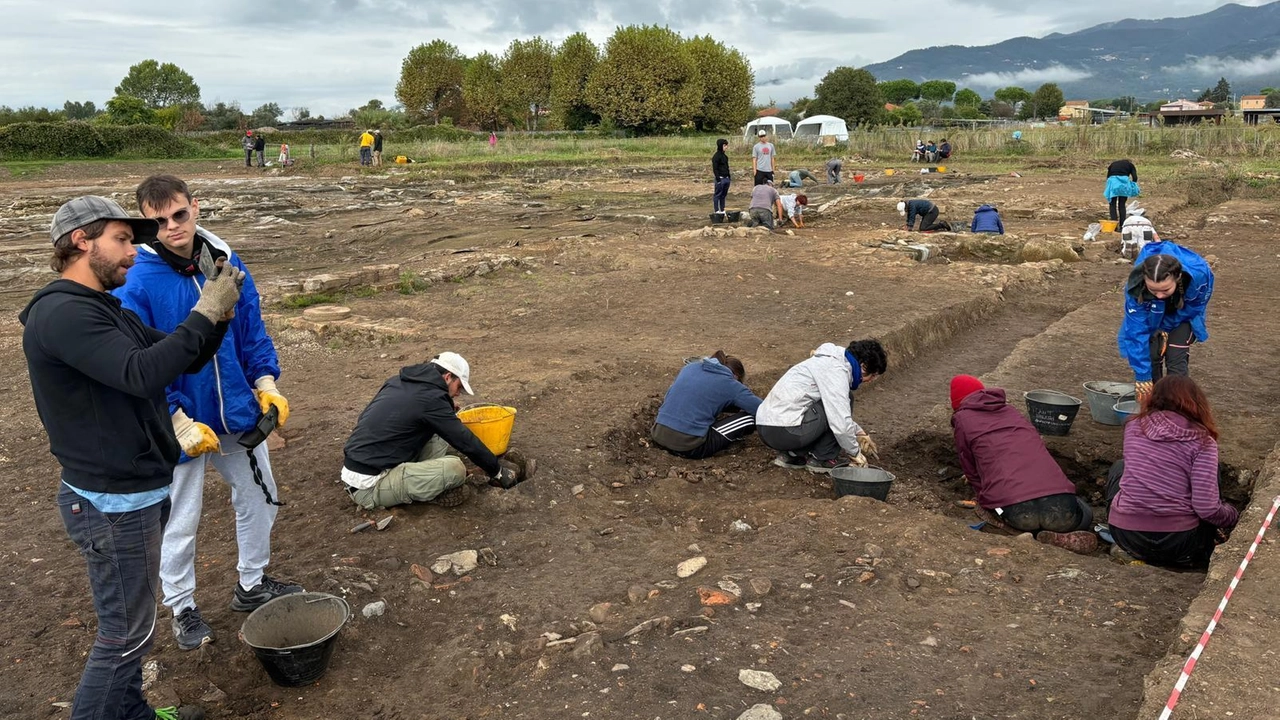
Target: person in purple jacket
(707,408)
(1165,506)
(1018,483)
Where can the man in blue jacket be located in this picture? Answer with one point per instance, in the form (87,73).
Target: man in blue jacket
(987,220)
(98,375)
(225,399)
(1165,301)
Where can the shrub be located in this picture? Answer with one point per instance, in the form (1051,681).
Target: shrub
(76,139)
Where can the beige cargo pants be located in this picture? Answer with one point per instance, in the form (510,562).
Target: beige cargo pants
(431,474)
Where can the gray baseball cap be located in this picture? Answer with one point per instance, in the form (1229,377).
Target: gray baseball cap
(75,214)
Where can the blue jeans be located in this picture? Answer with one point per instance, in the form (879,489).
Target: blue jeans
(721,193)
(122,552)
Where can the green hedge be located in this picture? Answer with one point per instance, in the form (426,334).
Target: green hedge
(76,139)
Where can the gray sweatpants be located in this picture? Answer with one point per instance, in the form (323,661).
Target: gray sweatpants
(254,519)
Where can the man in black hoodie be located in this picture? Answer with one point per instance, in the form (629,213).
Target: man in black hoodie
(98,375)
(397,453)
(720,169)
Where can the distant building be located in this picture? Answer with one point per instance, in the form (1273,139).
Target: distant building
(1075,110)
(1184,105)
(1253,102)
(1184,112)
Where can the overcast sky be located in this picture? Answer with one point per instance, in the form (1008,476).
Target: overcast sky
(331,55)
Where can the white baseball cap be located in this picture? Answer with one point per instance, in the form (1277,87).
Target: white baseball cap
(454,363)
(762,133)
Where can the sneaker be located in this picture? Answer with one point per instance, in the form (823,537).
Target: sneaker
(185,712)
(453,497)
(789,461)
(190,630)
(1081,542)
(824,467)
(262,593)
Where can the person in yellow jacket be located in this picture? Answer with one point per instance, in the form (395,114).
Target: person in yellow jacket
(366,148)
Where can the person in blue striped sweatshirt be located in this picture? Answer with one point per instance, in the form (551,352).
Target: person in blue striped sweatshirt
(707,408)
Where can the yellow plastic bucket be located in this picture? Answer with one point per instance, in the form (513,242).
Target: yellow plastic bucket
(1109,225)
(401,159)
(889,171)
(942,168)
(491,423)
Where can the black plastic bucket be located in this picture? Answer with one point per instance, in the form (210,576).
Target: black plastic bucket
(1052,412)
(869,482)
(731,216)
(293,636)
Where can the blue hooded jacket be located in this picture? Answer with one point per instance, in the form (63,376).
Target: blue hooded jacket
(701,391)
(1144,315)
(987,220)
(220,395)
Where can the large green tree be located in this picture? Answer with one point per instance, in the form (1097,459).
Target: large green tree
(264,115)
(851,94)
(224,116)
(727,84)
(1220,93)
(967,97)
(575,60)
(482,92)
(79,110)
(1012,95)
(939,91)
(526,70)
(159,85)
(648,80)
(1046,101)
(430,83)
(899,91)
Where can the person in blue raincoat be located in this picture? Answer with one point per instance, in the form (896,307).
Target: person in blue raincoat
(1122,184)
(1165,301)
(986,219)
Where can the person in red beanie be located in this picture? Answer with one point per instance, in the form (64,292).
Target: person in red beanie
(1018,484)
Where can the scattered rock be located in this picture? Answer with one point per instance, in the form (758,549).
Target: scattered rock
(647,625)
(637,594)
(460,563)
(712,597)
(740,526)
(913,583)
(761,585)
(930,641)
(214,696)
(588,645)
(693,548)
(760,712)
(374,609)
(696,630)
(150,674)
(577,489)
(751,607)
(600,611)
(730,586)
(389,563)
(874,551)
(848,604)
(759,680)
(488,556)
(998,551)
(620,667)
(688,668)
(690,566)
(1024,537)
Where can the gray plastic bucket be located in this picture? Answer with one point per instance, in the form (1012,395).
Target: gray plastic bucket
(1103,395)
(1052,412)
(1126,408)
(293,636)
(869,482)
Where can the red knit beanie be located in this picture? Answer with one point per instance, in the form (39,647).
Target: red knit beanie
(962,386)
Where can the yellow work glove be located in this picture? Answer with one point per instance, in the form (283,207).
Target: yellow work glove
(1144,390)
(858,460)
(867,445)
(195,438)
(268,396)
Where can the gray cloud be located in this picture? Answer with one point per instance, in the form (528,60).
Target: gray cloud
(1213,67)
(1029,77)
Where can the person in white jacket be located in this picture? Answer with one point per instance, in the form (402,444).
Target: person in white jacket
(808,415)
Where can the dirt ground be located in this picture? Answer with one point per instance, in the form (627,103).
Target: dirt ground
(576,294)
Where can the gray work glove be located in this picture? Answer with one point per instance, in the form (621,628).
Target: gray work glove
(508,476)
(220,292)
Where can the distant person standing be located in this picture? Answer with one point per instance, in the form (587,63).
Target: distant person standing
(493,140)
(834,166)
(260,148)
(1122,184)
(720,169)
(366,147)
(247,143)
(764,158)
(377,147)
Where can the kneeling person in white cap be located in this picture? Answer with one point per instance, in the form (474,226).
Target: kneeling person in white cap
(397,453)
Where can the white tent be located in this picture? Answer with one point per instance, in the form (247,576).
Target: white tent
(820,126)
(775,126)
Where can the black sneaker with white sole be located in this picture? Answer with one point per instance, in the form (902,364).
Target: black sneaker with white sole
(190,630)
(824,467)
(262,593)
(789,461)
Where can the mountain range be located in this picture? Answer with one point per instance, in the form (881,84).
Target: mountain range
(1147,59)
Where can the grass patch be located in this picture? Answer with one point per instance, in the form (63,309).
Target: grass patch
(411,283)
(306,300)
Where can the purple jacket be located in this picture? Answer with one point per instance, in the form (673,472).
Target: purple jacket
(1170,480)
(1002,454)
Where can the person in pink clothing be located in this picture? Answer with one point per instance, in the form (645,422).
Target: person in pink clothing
(1165,505)
(1018,484)
(493,140)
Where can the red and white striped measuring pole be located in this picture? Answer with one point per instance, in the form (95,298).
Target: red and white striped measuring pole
(1213,623)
